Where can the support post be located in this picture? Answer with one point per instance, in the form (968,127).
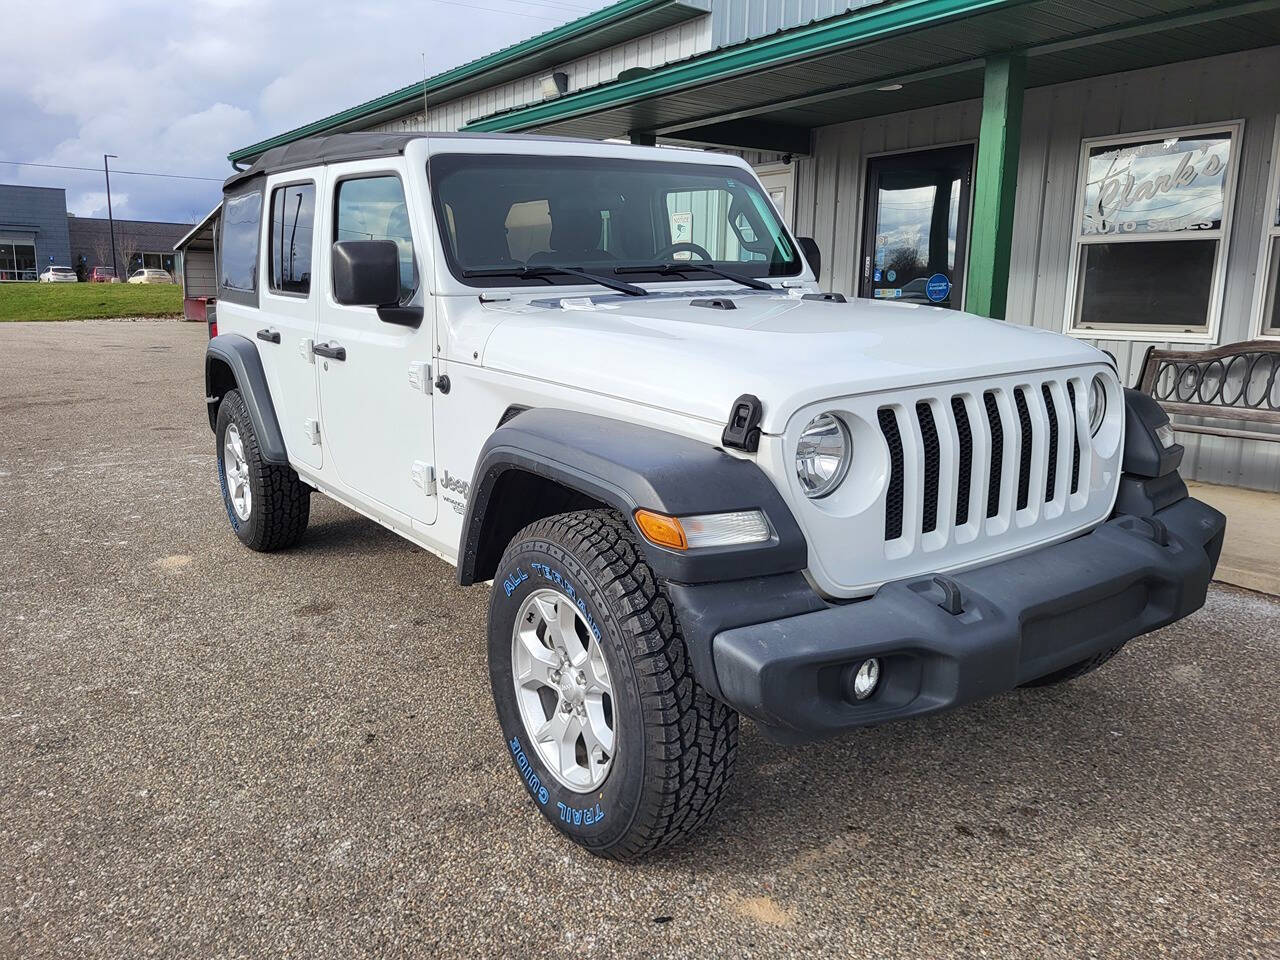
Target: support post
(643,138)
(995,186)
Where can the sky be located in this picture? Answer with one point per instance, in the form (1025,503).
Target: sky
(174,87)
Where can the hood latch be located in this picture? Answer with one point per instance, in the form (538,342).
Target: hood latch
(743,429)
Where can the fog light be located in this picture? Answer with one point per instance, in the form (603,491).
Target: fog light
(866,679)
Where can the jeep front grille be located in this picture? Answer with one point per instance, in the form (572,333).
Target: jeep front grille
(977,463)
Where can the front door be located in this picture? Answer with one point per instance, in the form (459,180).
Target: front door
(375,385)
(917,226)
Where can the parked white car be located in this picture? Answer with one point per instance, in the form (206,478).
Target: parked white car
(58,275)
(700,487)
(150,275)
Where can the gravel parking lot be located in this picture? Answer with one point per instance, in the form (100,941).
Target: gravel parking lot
(207,752)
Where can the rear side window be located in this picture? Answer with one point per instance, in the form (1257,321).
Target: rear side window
(293,215)
(238,255)
(373,208)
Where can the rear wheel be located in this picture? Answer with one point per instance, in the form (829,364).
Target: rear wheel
(616,742)
(1088,665)
(267,504)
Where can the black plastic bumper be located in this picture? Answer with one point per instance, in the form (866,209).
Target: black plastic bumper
(1021,619)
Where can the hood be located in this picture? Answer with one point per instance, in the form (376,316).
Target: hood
(665,352)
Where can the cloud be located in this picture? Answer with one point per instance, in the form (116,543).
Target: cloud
(174,88)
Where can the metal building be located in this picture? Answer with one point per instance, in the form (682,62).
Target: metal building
(1111,171)
(33,231)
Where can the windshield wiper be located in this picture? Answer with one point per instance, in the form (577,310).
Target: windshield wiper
(547,271)
(667,269)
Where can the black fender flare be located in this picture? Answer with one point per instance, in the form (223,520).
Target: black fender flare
(628,467)
(241,356)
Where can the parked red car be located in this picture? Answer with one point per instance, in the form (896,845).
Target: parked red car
(103,275)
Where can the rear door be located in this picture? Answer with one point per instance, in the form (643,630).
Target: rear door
(288,312)
(375,385)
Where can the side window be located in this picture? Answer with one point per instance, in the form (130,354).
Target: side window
(293,215)
(238,256)
(373,208)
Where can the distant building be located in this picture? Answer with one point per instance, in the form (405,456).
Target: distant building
(33,230)
(36,231)
(139,243)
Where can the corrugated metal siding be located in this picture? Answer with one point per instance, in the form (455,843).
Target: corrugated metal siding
(1055,119)
(198,274)
(737,20)
(830,186)
(652,50)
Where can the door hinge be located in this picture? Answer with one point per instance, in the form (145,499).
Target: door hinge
(424,477)
(312,428)
(304,348)
(420,376)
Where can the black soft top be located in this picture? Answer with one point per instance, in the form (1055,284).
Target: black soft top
(319,150)
(336,147)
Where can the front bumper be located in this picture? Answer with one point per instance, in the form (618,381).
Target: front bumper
(1021,619)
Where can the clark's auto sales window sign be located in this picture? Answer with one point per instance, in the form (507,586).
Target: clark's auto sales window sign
(1168,185)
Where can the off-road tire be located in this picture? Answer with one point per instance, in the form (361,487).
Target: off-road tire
(675,746)
(1088,665)
(281,503)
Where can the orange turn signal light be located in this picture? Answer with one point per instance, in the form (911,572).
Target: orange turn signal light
(660,529)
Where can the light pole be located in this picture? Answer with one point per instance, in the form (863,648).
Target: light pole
(111,221)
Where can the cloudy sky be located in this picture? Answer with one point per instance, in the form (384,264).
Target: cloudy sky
(173,87)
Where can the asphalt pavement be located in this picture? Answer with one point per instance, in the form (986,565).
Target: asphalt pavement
(206,752)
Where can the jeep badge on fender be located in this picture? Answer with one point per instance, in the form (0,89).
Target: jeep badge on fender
(700,486)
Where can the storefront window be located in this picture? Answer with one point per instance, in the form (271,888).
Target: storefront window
(17,261)
(1151,229)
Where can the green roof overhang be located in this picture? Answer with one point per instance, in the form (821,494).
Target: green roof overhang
(771,92)
(614,24)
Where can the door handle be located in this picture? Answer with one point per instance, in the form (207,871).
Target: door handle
(330,350)
(269,335)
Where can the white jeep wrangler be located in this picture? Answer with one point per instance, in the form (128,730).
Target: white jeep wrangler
(605,379)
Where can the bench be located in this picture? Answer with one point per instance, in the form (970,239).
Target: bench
(1238,382)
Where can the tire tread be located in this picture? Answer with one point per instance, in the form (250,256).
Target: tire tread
(691,739)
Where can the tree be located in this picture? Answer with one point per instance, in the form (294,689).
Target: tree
(101,250)
(128,245)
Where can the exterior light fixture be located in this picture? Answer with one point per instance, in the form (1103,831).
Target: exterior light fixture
(554,85)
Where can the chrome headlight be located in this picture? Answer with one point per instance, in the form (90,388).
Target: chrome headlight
(823,455)
(1097,404)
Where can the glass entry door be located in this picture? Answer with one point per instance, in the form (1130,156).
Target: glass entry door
(917,226)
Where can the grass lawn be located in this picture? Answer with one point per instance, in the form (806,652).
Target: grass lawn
(85,301)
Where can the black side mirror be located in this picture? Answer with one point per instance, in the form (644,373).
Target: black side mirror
(366,273)
(809,247)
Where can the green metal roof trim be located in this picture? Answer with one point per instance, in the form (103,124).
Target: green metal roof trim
(519,60)
(797,43)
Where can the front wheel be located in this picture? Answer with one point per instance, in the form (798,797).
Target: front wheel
(615,741)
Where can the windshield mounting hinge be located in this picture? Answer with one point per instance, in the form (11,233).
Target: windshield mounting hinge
(743,429)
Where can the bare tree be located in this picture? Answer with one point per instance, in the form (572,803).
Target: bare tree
(128,245)
(101,250)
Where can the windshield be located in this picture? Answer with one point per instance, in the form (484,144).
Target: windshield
(501,213)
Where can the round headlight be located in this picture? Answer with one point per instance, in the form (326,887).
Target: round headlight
(1097,404)
(823,455)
